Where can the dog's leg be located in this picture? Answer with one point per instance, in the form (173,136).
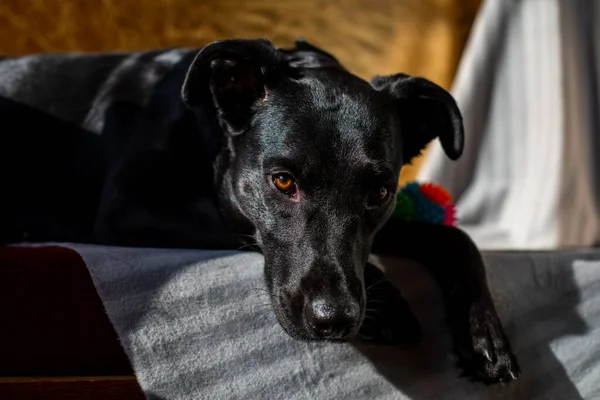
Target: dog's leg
(456,264)
(388,318)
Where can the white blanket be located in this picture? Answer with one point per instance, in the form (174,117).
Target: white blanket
(529,88)
(198,325)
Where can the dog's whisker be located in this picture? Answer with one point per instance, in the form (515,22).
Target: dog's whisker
(347,328)
(281,330)
(266,306)
(244,246)
(375,283)
(261,291)
(375,301)
(369,318)
(373,310)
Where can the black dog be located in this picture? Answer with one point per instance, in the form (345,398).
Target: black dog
(280,149)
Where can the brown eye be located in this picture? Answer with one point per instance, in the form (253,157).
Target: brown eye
(377,195)
(285,183)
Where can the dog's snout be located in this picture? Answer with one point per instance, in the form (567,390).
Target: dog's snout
(329,320)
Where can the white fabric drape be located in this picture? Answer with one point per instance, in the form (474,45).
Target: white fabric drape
(528,87)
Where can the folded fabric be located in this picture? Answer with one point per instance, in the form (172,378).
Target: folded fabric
(52,321)
(199,325)
(528,85)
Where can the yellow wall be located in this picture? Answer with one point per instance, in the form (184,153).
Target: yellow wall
(423,37)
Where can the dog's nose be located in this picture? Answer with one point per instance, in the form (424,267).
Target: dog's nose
(329,320)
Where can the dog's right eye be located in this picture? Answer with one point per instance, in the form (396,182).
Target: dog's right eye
(284,183)
(377,196)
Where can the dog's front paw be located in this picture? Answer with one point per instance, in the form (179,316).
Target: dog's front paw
(483,350)
(388,318)
(390,322)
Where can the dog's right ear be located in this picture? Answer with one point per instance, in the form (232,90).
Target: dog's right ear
(426,111)
(233,75)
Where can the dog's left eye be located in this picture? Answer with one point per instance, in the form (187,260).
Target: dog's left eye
(377,196)
(285,183)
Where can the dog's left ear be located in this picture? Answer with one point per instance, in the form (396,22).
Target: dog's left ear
(426,111)
(232,75)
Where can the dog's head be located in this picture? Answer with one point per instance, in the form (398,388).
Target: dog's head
(314,161)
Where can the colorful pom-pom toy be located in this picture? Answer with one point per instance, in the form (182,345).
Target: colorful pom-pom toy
(425,202)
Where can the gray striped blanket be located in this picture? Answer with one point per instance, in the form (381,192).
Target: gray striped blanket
(198,325)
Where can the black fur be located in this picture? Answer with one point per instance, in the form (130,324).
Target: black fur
(197,169)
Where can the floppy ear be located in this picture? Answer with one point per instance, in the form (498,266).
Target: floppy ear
(232,75)
(426,111)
